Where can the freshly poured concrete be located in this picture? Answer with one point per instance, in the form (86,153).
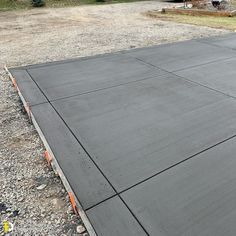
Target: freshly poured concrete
(136,130)
(79,77)
(227,41)
(114,219)
(172,57)
(222,76)
(32,93)
(194,198)
(72,158)
(144,137)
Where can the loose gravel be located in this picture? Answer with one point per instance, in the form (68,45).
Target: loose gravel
(31,196)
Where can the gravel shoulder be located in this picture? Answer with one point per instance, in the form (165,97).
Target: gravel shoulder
(40,35)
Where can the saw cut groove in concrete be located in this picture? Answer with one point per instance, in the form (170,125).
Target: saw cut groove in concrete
(194,198)
(182,55)
(222,76)
(113,218)
(83,76)
(146,137)
(149,125)
(83,176)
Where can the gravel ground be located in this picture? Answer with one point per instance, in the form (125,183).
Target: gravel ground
(40,35)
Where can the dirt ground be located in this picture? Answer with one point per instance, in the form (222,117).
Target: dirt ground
(41,35)
(31,196)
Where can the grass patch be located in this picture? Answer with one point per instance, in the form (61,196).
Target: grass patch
(6,5)
(12,4)
(211,21)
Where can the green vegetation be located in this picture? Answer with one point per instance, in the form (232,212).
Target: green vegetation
(211,21)
(27,4)
(12,4)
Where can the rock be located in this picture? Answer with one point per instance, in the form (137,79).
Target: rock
(3,207)
(63,190)
(69,210)
(57,203)
(8,210)
(21,199)
(80,229)
(14,213)
(41,187)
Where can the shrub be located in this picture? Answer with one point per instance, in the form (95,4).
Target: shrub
(37,3)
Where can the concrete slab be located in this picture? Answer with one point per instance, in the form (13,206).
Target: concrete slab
(146,152)
(84,76)
(137,130)
(226,41)
(32,93)
(172,57)
(85,179)
(195,198)
(220,76)
(112,217)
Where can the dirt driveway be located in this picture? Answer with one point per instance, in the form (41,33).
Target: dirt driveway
(31,196)
(52,34)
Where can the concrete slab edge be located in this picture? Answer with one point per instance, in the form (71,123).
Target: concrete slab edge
(55,165)
(119,52)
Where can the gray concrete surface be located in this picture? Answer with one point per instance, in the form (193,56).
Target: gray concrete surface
(194,198)
(218,75)
(228,41)
(157,150)
(137,130)
(88,75)
(172,57)
(85,179)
